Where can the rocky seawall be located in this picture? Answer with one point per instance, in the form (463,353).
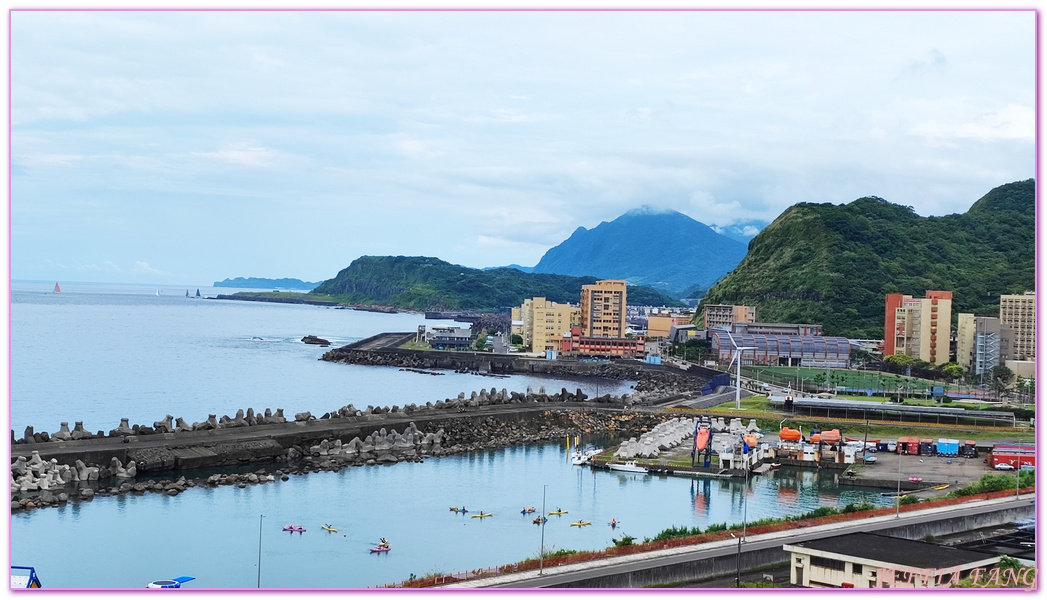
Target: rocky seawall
(51,469)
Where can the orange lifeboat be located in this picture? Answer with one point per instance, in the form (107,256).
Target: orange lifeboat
(831,437)
(751,440)
(788,434)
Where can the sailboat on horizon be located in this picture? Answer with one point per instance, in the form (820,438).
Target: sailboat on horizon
(197,292)
(58,290)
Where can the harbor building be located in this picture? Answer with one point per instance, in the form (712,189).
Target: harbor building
(603,309)
(443,338)
(576,344)
(982,343)
(867,560)
(911,326)
(723,316)
(797,329)
(783,350)
(1018,311)
(542,323)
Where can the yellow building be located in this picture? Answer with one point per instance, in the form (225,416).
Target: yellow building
(542,323)
(722,316)
(1019,312)
(603,309)
(919,327)
(659,325)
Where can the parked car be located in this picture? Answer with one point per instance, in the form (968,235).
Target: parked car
(1003,467)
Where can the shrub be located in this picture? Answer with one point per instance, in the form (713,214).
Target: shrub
(625,540)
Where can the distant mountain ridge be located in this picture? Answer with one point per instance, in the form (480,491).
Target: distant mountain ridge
(427,283)
(262,283)
(663,249)
(833,264)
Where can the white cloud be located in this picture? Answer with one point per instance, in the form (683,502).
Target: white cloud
(141,266)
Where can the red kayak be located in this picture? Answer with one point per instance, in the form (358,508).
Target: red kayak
(292,528)
(380,549)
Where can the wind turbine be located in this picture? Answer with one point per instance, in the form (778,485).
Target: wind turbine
(738,375)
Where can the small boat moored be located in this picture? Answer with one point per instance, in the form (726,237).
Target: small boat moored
(175,582)
(627,467)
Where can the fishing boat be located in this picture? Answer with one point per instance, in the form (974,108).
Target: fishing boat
(627,467)
(776,465)
(58,290)
(294,528)
(558,512)
(25,577)
(581,523)
(328,527)
(584,457)
(482,515)
(174,582)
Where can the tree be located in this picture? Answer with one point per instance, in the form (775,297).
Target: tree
(951,371)
(516,339)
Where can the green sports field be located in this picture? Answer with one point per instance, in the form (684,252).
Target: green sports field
(874,381)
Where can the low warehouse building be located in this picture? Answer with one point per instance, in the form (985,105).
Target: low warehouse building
(865,560)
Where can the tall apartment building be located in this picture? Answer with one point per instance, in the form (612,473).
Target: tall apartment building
(982,343)
(911,326)
(542,323)
(723,316)
(603,309)
(1019,312)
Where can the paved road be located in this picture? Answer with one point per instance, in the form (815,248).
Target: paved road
(570,573)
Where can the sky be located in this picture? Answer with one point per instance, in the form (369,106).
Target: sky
(184,147)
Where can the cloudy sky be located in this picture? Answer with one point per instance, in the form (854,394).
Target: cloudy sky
(187,147)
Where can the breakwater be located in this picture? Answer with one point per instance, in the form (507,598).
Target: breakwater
(58,471)
(653,382)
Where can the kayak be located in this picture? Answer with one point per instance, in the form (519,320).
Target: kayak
(527,510)
(482,515)
(328,528)
(380,549)
(539,520)
(581,523)
(297,528)
(458,510)
(558,512)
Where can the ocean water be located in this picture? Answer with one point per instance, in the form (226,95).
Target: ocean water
(99,353)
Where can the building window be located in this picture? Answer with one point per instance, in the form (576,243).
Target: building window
(827,563)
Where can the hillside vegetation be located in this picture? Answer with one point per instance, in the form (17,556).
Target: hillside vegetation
(425,283)
(833,264)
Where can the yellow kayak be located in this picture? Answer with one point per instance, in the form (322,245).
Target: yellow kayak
(482,515)
(328,528)
(558,512)
(581,523)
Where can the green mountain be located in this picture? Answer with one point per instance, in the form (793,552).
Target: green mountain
(833,264)
(424,283)
(661,248)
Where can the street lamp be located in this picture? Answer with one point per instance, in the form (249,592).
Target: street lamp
(541,551)
(898,495)
(260,517)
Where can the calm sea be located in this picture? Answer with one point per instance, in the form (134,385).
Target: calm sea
(102,352)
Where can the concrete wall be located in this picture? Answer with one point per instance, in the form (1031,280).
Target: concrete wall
(728,564)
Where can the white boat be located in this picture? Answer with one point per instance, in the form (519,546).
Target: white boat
(169,583)
(579,457)
(627,467)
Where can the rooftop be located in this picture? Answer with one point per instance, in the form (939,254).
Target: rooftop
(896,551)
